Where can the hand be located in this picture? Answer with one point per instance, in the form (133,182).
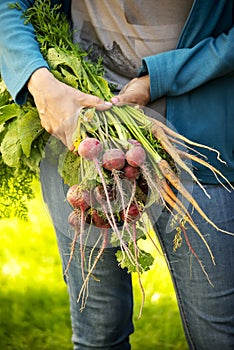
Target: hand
(59,105)
(137,91)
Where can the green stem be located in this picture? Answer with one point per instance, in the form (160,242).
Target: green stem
(127,118)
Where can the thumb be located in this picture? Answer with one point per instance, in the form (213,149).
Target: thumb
(125,98)
(137,91)
(94,101)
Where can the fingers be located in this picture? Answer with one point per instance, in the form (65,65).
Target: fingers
(137,91)
(67,126)
(126,98)
(86,100)
(129,86)
(104,106)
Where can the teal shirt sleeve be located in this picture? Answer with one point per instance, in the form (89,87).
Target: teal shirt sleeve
(20,55)
(179,71)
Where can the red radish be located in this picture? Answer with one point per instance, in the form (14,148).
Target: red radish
(73,219)
(130,214)
(130,172)
(113,159)
(78,198)
(135,156)
(90,148)
(134,142)
(99,221)
(100,194)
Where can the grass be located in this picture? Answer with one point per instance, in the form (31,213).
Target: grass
(34,308)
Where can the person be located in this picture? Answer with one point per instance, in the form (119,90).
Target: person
(177,57)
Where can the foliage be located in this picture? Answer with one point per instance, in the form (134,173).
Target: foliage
(15,191)
(145,260)
(22,141)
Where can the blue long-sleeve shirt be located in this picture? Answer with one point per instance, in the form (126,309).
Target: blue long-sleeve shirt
(197,78)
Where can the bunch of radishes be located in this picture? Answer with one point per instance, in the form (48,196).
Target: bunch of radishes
(114,204)
(119,196)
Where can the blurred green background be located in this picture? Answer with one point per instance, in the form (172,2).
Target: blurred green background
(34,309)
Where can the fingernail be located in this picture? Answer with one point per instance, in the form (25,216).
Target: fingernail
(115,100)
(108,103)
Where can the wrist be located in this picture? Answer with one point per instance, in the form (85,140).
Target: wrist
(39,78)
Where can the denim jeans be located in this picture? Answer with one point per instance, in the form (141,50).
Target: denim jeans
(207,308)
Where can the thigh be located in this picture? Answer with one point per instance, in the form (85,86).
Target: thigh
(206,301)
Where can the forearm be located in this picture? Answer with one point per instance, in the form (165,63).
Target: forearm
(179,71)
(20,53)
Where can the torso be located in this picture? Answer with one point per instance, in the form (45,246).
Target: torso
(124,31)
